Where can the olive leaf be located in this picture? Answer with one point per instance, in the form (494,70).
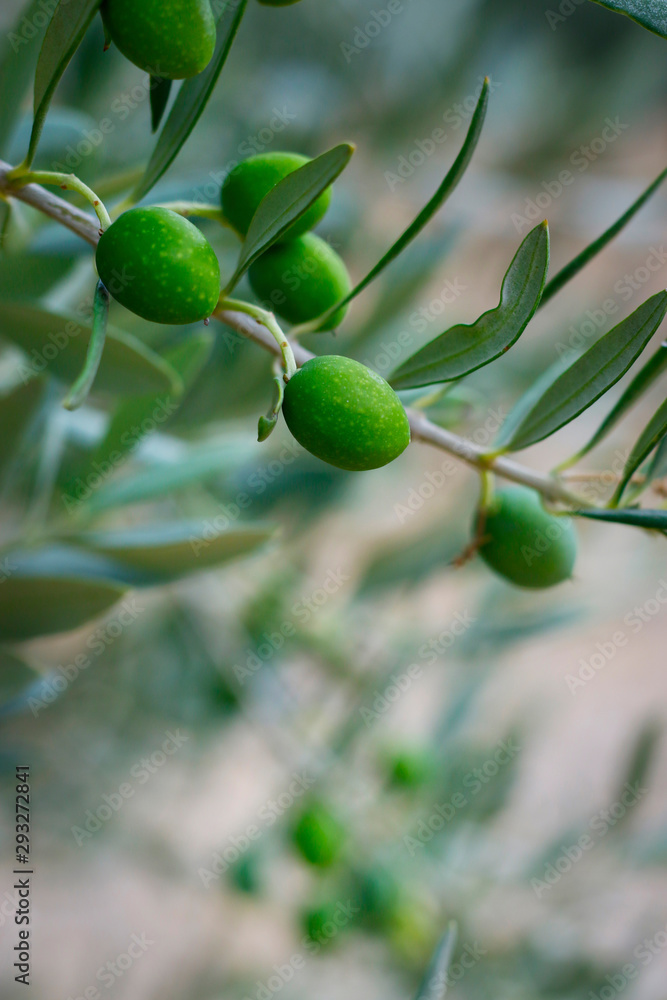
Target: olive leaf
(16,72)
(447,187)
(191,100)
(17,679)
(642,381)
(526,402)
(434,984)
(65,32)
(464,348)
(160,91)
(59,346)
(288,201)
(591,375)
(651,14)
(581,260)
(653,433)
(34,605)
(17,409)
(653,520)
(84,383)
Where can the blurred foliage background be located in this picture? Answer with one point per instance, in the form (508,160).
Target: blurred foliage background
(348,651)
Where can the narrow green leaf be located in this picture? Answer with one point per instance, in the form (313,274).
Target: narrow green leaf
(581,260)
(658,466)
(31,606)
(653,520)
(191,101)
(287,202)
(591,375)
(642,381)
(464,348)
(65,32)
(652,434)
(59,346)
(526,402)
(160,91)
(447,187)
(17,70)
(651,14)
(167,551)
(16,680)
(84,383)
(434,984)
(17,409)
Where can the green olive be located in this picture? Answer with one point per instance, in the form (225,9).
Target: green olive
(526,544)
(251,180)
(411,767)
(345,414)
(319,835)
(159,266)
(301,279)
(172,39)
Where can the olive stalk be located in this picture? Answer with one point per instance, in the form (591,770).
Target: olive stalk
(268,320)
(199,209)
(68,182)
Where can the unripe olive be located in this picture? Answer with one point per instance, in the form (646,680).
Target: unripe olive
(301,279)
(345,414)
(524,543)
(319,835)
(173,39)
(159,266)
(251,180)
(411,767)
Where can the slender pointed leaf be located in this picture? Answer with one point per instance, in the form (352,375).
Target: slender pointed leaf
(31,606)
(434,984)
(581,260)
(59,345)
(526,402)
(288,201)
(651,14)
(17,409)
(653,520)
(191,101)
(447,187)
(642,381)
(658,467)
(160,91)
(84,383)
(464,348)
(651,436)
(17,70)
(65,32)
(591,375)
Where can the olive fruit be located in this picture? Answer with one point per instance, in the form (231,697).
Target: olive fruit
(172,39)
(525,543)
(319,835)
(411,767)
(345,414)
(301,279)
(246,185)
(159,266)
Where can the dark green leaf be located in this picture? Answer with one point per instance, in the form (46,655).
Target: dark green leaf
(434,984)
(651,14)
(580,261)
(526,402)
(464,348)
(31,606)
(191,101)
(160,91)
(84,383)
(591,375)
(16,71)
(59,346)
(637,517)
(448,185)
(652,434)
(167,551)
(287,202)
(64,34)
(658,467)
(17,409)
(16,680)
(642,381)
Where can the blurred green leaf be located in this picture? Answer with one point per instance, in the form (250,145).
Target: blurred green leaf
(651,14)
(170,550)
(59,345)
(434,984)
(17,409)
(581,260)
(287,202)
(64,34)
(658,467)
(526,402)
(16,679)
(654,520)
(191,100)
(651,436)
(31,606)
(16,71)
(84,383)
(591,375)
(448,185)
(464,348)
(160,91)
